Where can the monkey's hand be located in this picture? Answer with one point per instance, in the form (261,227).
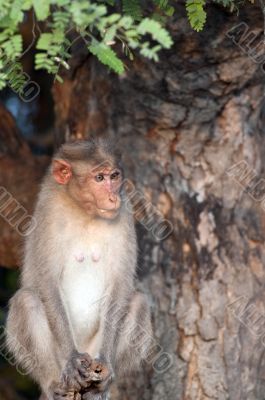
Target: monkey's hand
(61,393)
(77,373)
(105,375)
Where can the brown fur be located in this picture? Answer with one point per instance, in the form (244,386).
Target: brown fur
(73,246)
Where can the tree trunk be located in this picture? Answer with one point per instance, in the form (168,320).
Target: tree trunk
(182,124)
(191,129)
(20,174)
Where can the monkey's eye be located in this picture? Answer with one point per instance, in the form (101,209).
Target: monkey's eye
(99,178)
(115,175)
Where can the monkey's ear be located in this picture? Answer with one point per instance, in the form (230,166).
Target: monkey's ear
(61,171)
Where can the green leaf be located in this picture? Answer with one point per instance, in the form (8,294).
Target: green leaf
(60,3)
(110,34)
(85,13)
(61,20)
(58,78)
(131,33)
(13,47)
(165,7)
(45,41)
(5,6)
(125,22)
(149,53)
(196,14)
(133,9)
(90,19)
(157,32)
(42,9)
(107,56)
(27,4)
(113,18)
(16,12)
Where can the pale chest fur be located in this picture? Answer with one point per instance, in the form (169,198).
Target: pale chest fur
(92,261)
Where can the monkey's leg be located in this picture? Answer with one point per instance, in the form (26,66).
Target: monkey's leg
(135,337)
(31,341)
(76,396)
(94,395)
(43,397)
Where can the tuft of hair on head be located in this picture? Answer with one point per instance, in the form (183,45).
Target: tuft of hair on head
(94,150)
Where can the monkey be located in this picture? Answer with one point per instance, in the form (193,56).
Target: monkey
(71,321)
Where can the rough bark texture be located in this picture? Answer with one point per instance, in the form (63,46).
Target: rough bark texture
(182,123)
(20,173)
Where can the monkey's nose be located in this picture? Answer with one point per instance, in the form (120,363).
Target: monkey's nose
(113,198)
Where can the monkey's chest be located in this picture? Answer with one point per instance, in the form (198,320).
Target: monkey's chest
(84,284)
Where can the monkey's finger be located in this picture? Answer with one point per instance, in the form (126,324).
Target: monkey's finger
(84,359)
(95,377)
(61,393)
(101,370)
(67,396)
(71,382)
(83,365)
(84,371)
(85,378)
(98,367)
(90,377)
(88,366)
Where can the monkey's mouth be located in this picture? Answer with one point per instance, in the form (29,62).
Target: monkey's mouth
(103,211)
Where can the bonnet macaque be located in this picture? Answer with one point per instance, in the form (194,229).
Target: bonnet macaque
(71,323)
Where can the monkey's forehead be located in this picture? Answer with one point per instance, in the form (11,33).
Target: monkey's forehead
(94,151)
(104,168)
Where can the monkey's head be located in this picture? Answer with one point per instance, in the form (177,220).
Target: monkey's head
(91,175)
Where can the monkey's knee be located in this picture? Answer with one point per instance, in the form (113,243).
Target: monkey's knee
(43,397)
(28,335)
(20,307)
(136,335)
(24,307)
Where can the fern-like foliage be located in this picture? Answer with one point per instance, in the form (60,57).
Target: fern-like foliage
(112,31)
(133,9)
(196,13)
(41,8)
(16,78)
(5,6)
(158,33)
(228,3)
(165,7)
(107,56)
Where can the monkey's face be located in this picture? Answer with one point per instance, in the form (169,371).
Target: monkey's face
(100,192)
(96,190)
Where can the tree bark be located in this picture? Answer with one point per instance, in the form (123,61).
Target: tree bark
(182,123)
(20,173)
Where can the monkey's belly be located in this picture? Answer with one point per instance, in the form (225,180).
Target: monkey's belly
(83,289)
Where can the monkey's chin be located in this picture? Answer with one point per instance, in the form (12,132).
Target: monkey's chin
(108,214)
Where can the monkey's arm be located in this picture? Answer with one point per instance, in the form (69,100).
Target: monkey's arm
(75,367)
(117,302)
(43,271)
(115,309)
(58,320)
